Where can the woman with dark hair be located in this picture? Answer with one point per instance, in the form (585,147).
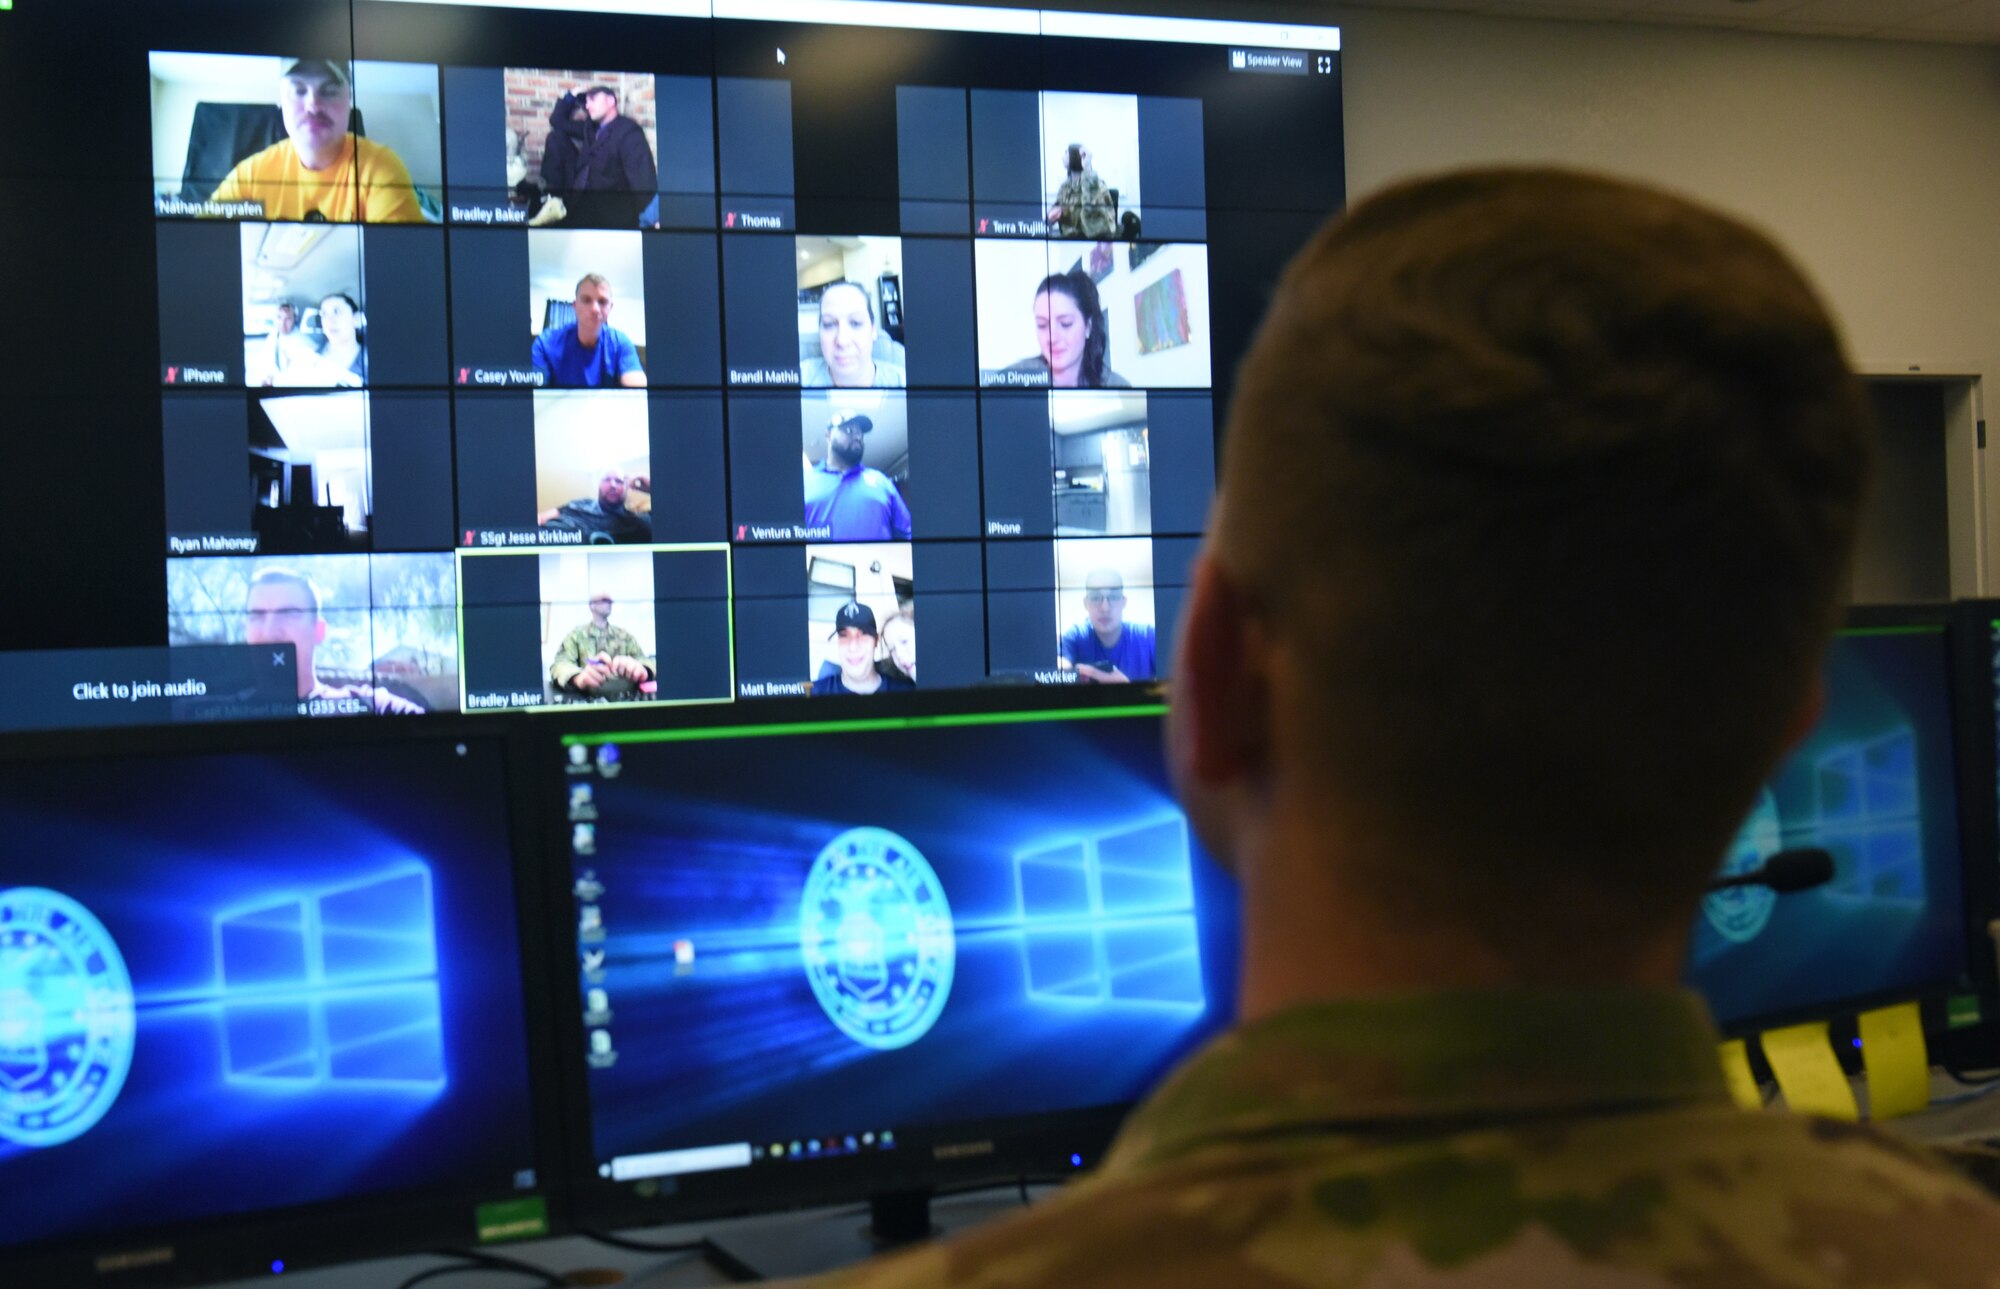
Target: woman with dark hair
(1069,324)
(345,359)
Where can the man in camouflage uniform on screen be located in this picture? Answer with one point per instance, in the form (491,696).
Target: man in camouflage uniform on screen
(1084,206)
(598,659)
(1537,500)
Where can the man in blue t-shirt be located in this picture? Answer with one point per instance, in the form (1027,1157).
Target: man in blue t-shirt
(852,502)
(589,353)
(1105,648)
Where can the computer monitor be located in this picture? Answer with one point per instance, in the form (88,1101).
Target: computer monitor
(260,1007)
(1882,784)
(870,958)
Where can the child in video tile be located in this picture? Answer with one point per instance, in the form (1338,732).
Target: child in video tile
(851,501)
(322,169)
(589,353)
(899,641)
(847,343)
(854,629)
(1104,647)
(286,350)
(1069,324)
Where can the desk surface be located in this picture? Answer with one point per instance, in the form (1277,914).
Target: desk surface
(785,1234)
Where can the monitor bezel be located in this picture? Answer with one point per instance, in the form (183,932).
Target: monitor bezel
(1968,681)
(1002,1151)
(378,1223)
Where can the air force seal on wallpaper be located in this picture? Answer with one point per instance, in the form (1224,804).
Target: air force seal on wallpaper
(876,935)
(66,1021)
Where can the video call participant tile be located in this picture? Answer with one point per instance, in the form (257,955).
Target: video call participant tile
(754,137)
(807,616)
(1085,611)
(300,137)
(861,619)
(300,306)
(803,614)
(371,633)
(544,147)
(1094,167)
(1082,315)
(581,309)
(1096,463)
(596,626)
(578,468)
(853,465)
(848,312)
(306,473)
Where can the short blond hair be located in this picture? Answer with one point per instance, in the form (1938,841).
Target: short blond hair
(1549,482)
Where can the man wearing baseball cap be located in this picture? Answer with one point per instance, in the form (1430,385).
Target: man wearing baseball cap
(848,501)
(855,635)
(322,169)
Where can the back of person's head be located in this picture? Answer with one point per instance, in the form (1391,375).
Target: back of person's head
(1543,487)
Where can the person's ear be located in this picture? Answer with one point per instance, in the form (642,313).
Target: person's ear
(1222,682)
(1219,721)
(1811,707)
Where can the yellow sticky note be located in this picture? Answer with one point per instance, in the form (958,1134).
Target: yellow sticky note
(1899,1067)
(1743,1089)
(1808,1073)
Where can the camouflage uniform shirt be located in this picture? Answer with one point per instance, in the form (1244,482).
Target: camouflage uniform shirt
(587,642)
(1497,1140)
(1086,207)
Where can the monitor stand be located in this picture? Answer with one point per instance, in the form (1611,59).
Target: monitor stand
(808,1244)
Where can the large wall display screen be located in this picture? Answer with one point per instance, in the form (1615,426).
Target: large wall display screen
(487,358)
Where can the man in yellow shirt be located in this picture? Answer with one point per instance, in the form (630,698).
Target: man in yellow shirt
(322,169)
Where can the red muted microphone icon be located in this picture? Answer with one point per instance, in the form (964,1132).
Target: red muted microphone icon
(464,375)
(729,220)
(468,537)
(173,374)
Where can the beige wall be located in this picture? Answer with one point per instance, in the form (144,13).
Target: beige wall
(1876,162)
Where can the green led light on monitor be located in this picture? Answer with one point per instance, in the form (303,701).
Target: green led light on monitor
(1921,629)
(855,726)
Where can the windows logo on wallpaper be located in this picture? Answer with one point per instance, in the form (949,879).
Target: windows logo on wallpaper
(1110,918)
(1865,808)
(334,987)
